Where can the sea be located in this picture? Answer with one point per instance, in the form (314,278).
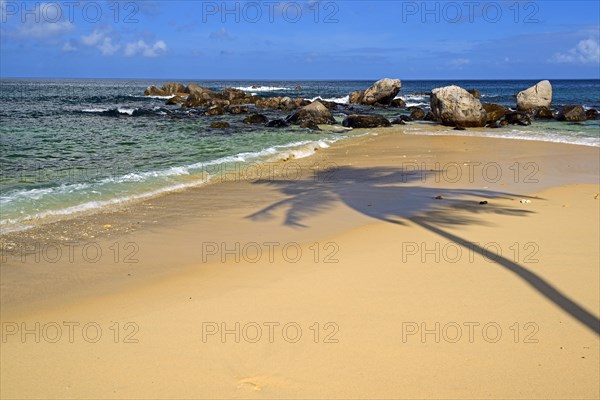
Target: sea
(72,146)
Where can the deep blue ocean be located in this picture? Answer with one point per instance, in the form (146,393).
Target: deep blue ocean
(74,145)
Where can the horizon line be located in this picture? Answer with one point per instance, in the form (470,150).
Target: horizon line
(299,79)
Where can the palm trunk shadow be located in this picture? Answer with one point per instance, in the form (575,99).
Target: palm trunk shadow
(544,288)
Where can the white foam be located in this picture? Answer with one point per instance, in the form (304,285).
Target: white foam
(262,88)
(92,205)
(306,149)
(416,97)
(126,110)
(516,134)
(339,100)
(95,110)
(410,104)
(300,149)
(121,110)
(157,97)
(37,194)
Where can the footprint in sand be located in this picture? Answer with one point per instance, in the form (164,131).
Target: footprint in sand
(251,384)
(261,382)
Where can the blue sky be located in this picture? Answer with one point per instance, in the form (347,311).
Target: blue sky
(302,39)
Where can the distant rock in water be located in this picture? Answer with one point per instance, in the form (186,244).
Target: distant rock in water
(215,110)
(236,109)
(365,121)
(572,113)
(193,88)
(454,106)
(494,111)
(381,92)
(591,114)
(200,96)
(315,112)
(173,88)
(154,91)
(256,119)
(298,88)
(219,125)
(232,94)
(167,89)
(175,100)
(283,103)
(537,96)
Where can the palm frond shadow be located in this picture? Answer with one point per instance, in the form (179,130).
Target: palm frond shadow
(392,195)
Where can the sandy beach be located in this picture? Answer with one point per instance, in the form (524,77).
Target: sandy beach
(393,265)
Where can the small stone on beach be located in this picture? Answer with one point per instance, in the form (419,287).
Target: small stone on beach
(439,197)
(483,202)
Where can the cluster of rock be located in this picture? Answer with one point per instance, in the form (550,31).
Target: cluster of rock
(455,106)
(234,101)
(305,113)
(450,106)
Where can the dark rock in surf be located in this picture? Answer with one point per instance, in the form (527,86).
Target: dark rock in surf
(572,113)
(543,113)
(591,114)
(494,111)
(399,103)
(417,113)
(277,123)
(365,121)
(314,112)
(256,119)
(219,125)
(517,118)
(237,109)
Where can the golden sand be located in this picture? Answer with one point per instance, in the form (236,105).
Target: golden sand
(348,280)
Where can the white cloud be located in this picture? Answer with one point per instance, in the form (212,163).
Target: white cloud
(69,47)
(459,62)
(94,38)
(220,34)
(44,30)
(107,48)
(43,22)
(141,47)
(587,51)
(101,39)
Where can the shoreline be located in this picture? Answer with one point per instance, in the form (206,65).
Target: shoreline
(419,128)
(530,170)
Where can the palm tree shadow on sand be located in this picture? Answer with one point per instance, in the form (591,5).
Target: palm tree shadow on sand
(394,196)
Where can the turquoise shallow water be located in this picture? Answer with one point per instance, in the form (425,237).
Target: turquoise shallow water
(70,146)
